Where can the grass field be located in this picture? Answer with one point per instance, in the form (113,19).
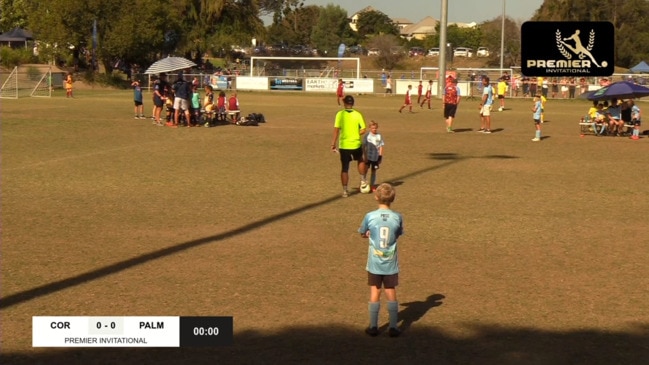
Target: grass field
(515,252)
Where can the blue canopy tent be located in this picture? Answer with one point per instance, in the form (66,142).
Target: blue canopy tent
(641,67)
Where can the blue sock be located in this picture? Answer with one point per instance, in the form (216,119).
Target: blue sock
(373,178)
(373,308)
(393,312)
(636,132)
(538,133)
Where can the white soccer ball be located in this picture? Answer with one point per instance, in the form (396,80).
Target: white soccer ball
(366,188)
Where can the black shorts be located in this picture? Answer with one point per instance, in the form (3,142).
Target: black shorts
(347,156)
(386,281)
(637,122)
(449,110)
(158,102)
(501,96)
(137,103)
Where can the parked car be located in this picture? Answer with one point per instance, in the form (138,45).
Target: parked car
(416,51)
(356,50)
(433,52)
(398,50)
(483,52)
(373,52)
(462,52)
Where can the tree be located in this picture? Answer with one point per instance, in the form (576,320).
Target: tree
(136,31)
(12,15)
(331,29)
(491,38)
(295,26)
(390,51)
(375,23)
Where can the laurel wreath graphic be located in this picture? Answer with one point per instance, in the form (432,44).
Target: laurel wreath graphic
(591,40)
(563,51)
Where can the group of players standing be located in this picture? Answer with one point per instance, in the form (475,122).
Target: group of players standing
(184,105)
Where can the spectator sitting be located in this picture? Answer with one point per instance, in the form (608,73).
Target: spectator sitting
(233,108)
(614,113)
(221,106)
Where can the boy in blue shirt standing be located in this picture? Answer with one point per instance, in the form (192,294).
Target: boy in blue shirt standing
(536,110)
(382,227)
(137,99)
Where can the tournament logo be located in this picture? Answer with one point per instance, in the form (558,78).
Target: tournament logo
(567,48)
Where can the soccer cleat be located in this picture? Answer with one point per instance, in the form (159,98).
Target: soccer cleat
(372,331)
(394,332)
(635,137)
(535,139)
(488,131)
(500,109)
(345,193)
(449,130)
(481,130)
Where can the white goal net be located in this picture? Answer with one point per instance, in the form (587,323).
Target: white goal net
(25,81)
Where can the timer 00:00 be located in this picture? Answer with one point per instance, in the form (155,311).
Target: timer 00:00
(209,331)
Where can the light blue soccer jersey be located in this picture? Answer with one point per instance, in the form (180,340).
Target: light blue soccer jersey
(635,112)
(385,227)
(489,91)
(537,114)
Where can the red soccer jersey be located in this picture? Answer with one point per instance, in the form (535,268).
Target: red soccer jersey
(233,103)
(407,100)
(339,91)
(220,102)
(420,89)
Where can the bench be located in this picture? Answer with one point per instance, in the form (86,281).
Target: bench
(597,129)
(233,115)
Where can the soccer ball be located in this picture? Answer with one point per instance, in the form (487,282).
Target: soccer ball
(366,188)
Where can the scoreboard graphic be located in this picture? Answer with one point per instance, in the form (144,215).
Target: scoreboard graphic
(131,331)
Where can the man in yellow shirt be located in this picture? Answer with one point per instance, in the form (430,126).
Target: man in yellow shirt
(349,127)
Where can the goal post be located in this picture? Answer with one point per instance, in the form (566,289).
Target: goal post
(9,88)
(254,62)
(43,88)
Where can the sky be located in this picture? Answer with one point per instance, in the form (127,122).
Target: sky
(461,11)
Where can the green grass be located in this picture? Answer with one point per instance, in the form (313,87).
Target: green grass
(515,252)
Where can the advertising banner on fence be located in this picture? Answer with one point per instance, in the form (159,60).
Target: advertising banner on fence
(330,85)
(252,83)
(287,83)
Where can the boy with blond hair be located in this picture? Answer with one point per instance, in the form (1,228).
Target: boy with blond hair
(382,227)
(373,148)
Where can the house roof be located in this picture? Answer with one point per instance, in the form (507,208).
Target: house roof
(424,26)
(16,35)
(403,21)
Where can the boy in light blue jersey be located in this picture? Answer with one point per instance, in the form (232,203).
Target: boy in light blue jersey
(536,110)
(383,227)
(635,119)
(485,107)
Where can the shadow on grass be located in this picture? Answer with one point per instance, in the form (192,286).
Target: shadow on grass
(335,344)
(43,290)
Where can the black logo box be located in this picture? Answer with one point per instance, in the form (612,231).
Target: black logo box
(567,49)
